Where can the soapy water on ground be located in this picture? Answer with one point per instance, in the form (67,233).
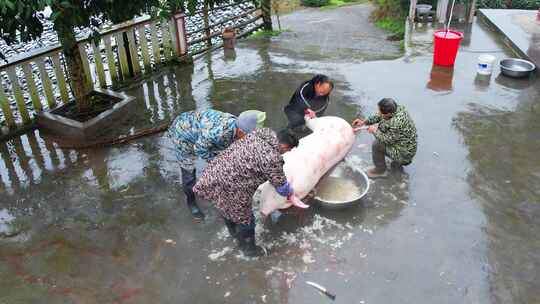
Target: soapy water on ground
(319,240)
(356,162)
(322,231)
(218,255)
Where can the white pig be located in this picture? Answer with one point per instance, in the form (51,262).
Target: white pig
(331,140)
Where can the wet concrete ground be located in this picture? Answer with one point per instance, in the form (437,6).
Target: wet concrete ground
(520,27)
(109,225)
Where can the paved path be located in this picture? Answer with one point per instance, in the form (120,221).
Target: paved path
(342,33)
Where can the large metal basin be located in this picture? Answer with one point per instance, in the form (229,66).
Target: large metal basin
(341,187)
(423,9)
(517,68)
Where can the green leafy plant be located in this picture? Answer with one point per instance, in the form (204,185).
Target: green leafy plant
(263,33)
(509,4)
(396,9)
(337,3)
(396,26)
(315,3)
(390,15)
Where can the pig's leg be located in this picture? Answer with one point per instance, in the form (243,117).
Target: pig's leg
(298,203)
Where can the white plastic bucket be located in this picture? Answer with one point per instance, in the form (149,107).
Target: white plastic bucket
(485,64)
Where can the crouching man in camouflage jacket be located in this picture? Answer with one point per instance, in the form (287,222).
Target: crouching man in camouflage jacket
(395,136)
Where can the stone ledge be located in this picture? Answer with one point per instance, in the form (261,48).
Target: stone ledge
(72,129)
(519,28)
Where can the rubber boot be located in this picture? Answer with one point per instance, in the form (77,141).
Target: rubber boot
(231,227)
(246,242)
(374,173)
(396,167)
(249,248)
(188,182)
(378,151)
(194,208)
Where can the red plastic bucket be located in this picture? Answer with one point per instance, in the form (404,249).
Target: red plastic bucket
(446,47)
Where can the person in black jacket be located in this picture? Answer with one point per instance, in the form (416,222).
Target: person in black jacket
(311,98)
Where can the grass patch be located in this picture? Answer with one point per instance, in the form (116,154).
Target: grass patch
(263,33)
(339,3)
(396,26)
(330,4)
(393,25)
(390,15)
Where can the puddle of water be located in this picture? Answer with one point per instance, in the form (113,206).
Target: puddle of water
(126,165)
(6,218)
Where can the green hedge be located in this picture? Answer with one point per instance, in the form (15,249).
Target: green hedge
(390,8)
(510,4)
(399,8)
(315,3)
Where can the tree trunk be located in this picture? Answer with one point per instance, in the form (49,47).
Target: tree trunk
(128,53)
(75,69)
(266,8)
(207,31)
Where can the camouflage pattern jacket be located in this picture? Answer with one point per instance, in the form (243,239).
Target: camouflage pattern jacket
(398,134)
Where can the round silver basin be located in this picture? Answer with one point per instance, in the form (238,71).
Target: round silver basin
(423,9)
(341,187)
(517,68)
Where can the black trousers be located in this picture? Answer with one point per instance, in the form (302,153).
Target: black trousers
(189,178)
(378,153)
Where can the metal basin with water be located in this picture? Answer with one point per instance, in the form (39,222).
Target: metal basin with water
(341,187)
(517,68)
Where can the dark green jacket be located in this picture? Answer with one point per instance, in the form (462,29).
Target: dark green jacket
(398,134)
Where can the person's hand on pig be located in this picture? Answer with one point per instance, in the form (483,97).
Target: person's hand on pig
(358,122)
(310,113)
(373,128)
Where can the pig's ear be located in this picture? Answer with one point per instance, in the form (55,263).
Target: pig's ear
(298,203)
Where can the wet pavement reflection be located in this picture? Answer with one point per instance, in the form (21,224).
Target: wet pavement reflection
(459,226)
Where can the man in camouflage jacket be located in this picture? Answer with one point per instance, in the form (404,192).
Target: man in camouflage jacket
(395,136)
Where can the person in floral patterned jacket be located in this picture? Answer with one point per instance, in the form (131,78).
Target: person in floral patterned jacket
(231,179)
(395,136)
(203,134)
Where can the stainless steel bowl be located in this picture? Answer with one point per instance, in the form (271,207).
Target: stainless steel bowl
(517,68)
(423,9)
(339,176)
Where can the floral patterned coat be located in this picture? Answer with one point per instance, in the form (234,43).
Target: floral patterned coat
(201,134)
(231,179)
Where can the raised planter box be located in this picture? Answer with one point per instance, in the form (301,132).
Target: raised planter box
(59,125)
